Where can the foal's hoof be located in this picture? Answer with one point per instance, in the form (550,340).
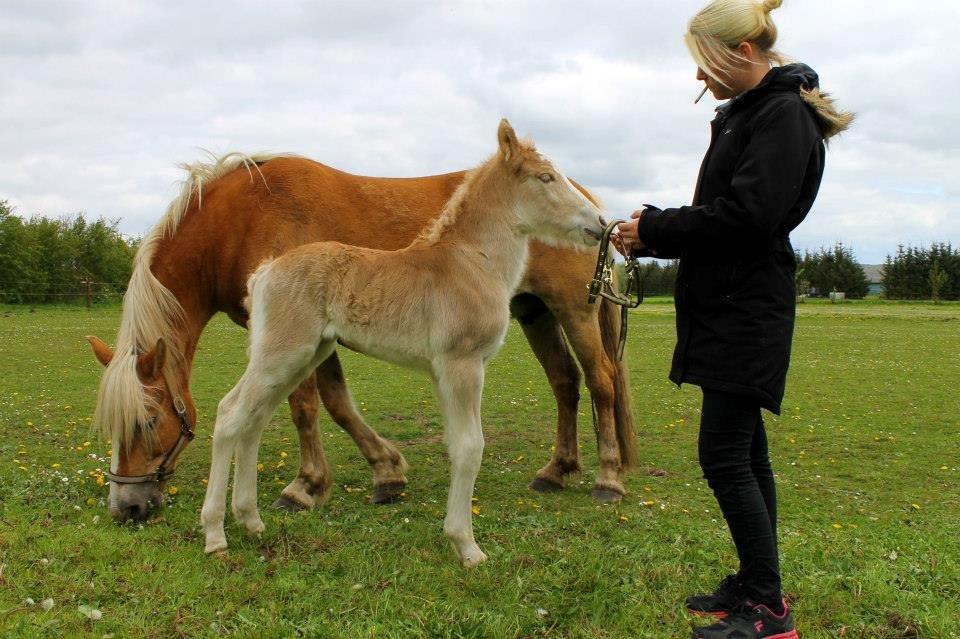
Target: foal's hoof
(606,495)
(290,505)
(388,493)
(542,485)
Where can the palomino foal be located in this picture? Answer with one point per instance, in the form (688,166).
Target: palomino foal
(440,305)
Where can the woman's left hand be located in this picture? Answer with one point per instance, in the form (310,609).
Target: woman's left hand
(629,234)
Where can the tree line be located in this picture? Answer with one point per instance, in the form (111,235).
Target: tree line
(912,273)
(45,260)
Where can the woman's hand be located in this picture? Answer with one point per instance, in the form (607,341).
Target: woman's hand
(627,240)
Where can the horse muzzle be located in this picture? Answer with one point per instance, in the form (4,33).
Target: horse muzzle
(134,502)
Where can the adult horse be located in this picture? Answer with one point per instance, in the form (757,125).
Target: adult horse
(439,305)
(235,212)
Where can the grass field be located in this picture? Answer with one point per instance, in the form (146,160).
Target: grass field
(867,454)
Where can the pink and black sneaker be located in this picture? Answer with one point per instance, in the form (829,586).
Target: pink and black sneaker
(751,621)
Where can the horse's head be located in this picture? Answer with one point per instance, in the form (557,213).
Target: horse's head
(548,205)
(145,409)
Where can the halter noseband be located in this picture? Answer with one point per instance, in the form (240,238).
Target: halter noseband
(162,473)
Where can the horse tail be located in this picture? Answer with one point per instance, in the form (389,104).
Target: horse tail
(609,318)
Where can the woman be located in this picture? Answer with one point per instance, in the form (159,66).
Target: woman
(735,290)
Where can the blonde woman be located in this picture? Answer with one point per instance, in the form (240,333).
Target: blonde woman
(735,290)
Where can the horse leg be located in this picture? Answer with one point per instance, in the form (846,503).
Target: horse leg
(271,375)
(546,340)
(583,330)
(311,486)
(224,441)
(459,386)
(389,466)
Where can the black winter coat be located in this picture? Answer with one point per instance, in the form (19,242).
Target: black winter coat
(735,294)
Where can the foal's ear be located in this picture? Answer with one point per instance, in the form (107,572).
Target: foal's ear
(100,350)
(150,363)
(509,145)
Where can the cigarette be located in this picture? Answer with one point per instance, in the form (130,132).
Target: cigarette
(701,94)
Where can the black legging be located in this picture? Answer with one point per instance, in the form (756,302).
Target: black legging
(736,465)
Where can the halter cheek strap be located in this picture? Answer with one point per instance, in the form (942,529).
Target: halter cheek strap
(162,473)
(602,284)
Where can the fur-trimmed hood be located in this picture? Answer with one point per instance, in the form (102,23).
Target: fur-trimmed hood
(802,79)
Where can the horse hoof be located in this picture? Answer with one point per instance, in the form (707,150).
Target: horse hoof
(388,493)
(606,495)
(542,485)
(290,505)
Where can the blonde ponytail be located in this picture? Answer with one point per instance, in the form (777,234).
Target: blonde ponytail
(714,34)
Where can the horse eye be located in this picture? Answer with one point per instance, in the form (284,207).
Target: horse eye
(546,178)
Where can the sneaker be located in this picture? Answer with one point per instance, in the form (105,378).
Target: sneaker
(751,621)
(728,596)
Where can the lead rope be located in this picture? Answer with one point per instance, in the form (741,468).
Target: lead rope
(603,285)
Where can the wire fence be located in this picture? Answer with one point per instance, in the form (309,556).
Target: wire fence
(85,293)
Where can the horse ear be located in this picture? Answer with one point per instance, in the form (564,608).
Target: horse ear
(507,139)
(151,363)
(100,350)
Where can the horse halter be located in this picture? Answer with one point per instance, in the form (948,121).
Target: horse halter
(186,436)
(603,285)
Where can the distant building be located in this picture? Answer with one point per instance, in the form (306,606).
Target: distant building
(874,276)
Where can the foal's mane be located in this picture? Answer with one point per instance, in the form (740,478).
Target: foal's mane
(151,311)
(432,233)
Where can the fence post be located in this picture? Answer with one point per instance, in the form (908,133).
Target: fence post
(89,291)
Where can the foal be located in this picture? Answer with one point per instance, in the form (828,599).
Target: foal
(440,305)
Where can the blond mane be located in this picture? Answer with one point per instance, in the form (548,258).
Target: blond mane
(151,311)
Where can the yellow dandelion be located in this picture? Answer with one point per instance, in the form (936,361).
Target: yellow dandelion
(173,490)
(54,465)
(100,481)
(260,467)
(475,510)
(283,454)
(624,519)
(649,503)
(915,506)
(203,481)
(838,526)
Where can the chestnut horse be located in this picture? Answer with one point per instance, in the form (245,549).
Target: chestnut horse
(237,211)
(440,305)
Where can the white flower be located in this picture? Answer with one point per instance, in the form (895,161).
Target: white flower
(47,604)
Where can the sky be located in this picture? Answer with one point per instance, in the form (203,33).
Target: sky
(100,101)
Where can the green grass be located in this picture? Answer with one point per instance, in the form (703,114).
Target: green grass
(867,453)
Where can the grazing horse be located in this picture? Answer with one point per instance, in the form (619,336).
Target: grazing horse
(440,305)
(234,213)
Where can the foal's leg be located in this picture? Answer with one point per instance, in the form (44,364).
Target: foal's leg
(459,386)
(389,466)
(312,483)
(271,375)
(547,342)
(583,330)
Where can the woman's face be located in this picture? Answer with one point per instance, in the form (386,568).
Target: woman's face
(743,74)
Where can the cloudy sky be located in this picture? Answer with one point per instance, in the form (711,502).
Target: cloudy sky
(100,100)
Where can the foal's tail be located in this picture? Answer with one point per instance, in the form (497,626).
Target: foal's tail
(255,277)
(609,317)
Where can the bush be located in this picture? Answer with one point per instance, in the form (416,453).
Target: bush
(918,273)
(46,260)
(829,270)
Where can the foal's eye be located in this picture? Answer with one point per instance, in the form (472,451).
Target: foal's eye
(546,178)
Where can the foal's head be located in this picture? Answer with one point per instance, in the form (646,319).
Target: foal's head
(547,205)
